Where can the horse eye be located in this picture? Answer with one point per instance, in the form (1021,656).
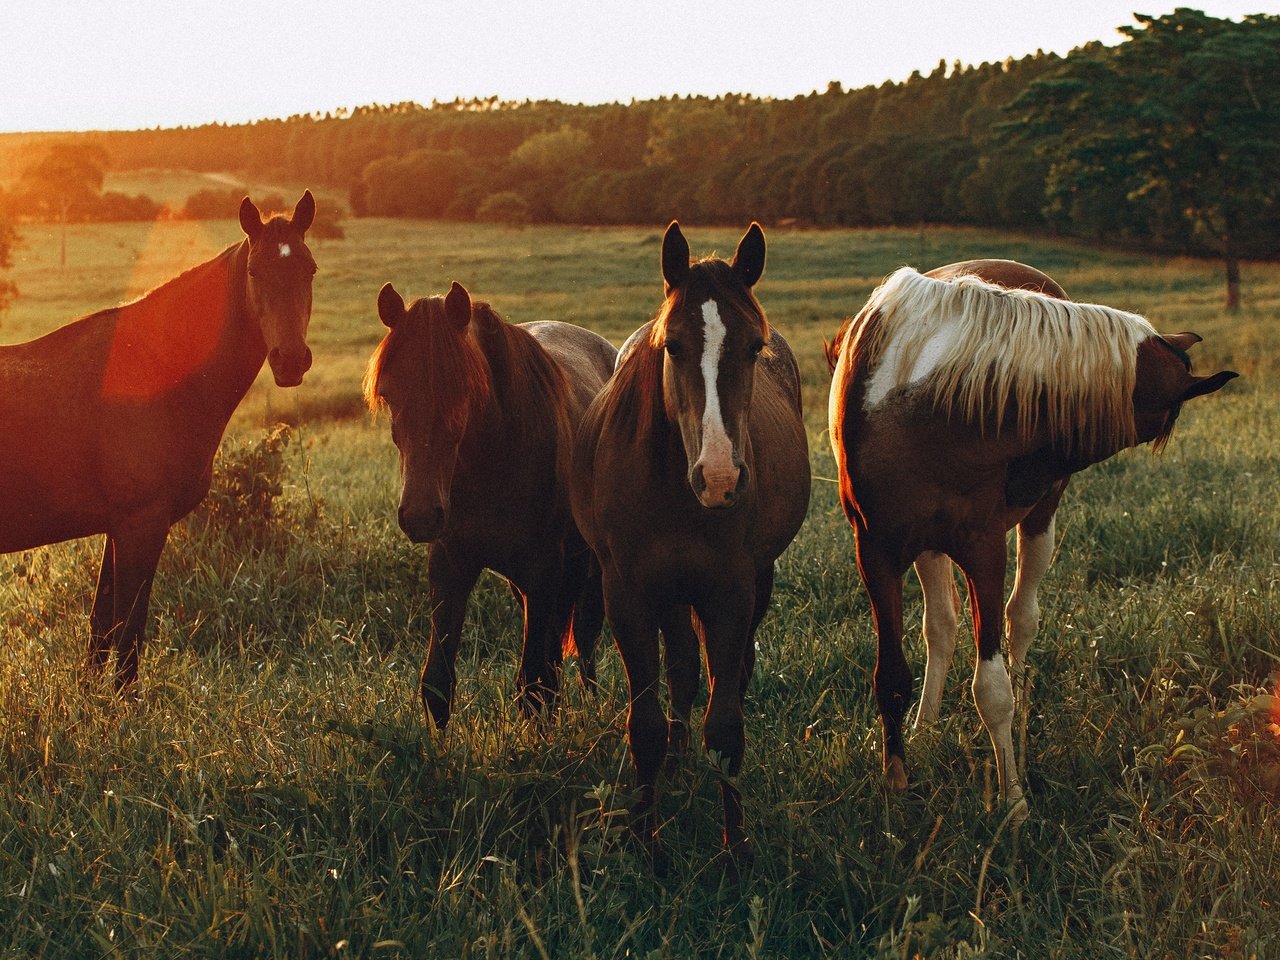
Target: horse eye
(674,350)
(756,349)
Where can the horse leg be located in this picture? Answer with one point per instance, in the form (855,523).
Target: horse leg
(992,689)
(941,610)
(136,553)
(764,593)
(727,626)
(1035,553)
(680,651)
(635,631)
(450,585)
(883,582)
(541,655)
(582,614)
(102,616)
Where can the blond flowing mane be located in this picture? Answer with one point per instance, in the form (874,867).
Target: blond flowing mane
(1064,366)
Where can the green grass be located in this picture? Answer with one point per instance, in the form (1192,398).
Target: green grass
(274,792)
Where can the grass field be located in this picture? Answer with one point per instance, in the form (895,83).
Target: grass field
(274,792)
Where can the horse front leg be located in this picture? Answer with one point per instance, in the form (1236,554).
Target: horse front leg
(882,579)
(941,616)
(992,690)
(102,616)
(727,630)
(541,653)
(136,547)
(581,614)
(450,584)
(635,631)
(680,649)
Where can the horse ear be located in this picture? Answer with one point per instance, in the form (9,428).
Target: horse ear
(390,305)
(250,219)
(1203,385)
(304,212)
(1183,341)
(675,256)
(748,261)
(457,306)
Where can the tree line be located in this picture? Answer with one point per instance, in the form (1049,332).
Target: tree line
(1168,141)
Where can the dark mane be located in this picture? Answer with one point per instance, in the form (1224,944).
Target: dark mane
(524,377)
(632,399)
(459,378)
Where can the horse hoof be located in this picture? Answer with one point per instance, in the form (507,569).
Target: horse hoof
(895,774)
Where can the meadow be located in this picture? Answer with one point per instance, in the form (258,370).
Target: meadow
(274,791)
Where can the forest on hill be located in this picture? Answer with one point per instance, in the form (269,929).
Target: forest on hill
(1168,141)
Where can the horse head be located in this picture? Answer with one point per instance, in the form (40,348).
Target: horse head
(712,330)
(431,376)
(1164,382)
(278,286)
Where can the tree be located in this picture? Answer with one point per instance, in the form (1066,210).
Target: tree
(69,174)
(1182,121)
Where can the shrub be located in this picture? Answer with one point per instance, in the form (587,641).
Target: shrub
(505,207)
(248,478)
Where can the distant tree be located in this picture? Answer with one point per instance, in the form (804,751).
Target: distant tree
(69,173)
(1179,123)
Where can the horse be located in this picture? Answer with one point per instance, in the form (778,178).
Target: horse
(110,423)
(483,414)
(962,401)
(690,477)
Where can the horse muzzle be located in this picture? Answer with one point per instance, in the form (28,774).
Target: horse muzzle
(289,367)
(422,524)
(722,489)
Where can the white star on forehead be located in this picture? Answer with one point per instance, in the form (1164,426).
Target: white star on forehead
(284,250)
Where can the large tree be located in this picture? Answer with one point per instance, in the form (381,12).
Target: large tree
(1174,134)
(70,173)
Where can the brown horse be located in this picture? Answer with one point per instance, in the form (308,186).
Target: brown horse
(962,401)
(691,476)
(110,423)
(483,414)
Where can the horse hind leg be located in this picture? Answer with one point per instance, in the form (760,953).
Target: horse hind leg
(941,617)
(582,616)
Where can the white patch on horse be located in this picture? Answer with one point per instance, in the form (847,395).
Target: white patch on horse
(888,373)
(993,695)
(715,440)
(284,250)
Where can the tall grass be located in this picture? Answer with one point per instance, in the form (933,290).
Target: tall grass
(275,793)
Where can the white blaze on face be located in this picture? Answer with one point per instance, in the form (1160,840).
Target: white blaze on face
(284,250)
(716,455)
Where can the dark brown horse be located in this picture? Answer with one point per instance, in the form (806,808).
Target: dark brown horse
(110,424)
(691,476)
(962,401)
(483,414)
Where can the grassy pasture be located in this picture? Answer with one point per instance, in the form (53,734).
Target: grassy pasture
(274,792)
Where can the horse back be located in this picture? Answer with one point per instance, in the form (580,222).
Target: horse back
(585,358)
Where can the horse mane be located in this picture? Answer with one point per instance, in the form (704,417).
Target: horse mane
(1069,367)
(522,369)
(460,376)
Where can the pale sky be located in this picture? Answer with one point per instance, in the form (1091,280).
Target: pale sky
(125,64)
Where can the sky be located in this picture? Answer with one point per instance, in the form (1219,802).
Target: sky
(128,64)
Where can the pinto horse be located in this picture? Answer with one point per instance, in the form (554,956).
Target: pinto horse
(110,423)
(962,401)
(690,477)
(483,414)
